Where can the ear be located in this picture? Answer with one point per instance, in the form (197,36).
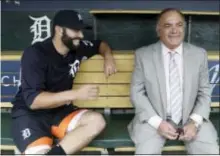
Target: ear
(59,30)
(157,30)
(185,25)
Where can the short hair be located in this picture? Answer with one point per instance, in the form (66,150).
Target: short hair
(169,10)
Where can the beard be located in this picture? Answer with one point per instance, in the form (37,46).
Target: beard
(68,41)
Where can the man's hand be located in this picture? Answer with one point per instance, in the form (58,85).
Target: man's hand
(109,66)
(167,130)
(87,92)
(109,62)
(190,132)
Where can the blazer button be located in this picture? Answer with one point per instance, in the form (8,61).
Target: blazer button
(144,121)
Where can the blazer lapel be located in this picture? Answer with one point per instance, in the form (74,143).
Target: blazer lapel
(158,61)
(187,65)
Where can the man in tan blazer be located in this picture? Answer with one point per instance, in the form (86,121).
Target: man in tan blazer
(170,88)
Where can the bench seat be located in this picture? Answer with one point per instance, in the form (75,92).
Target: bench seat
(114,135)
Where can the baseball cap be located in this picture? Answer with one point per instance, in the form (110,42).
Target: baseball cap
(70,19)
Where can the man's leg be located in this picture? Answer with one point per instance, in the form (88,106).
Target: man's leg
(39,146)
(150,146)
(30,135)
(77,129)
(206,141)
(201,148)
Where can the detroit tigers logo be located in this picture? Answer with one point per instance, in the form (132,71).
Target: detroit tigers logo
(87,43)
(74,67)
(40,28)
(80,17)
(26,133)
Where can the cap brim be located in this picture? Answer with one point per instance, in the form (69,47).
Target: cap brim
(82,26)
(86,26)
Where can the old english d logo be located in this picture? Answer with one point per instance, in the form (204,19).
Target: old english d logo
(40,28)
(26,133)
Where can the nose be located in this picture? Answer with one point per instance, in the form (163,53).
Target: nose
(174,30)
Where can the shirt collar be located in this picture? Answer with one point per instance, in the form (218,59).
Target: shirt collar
(165,49)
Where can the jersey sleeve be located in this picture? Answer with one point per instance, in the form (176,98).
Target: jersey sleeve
(32,75)
(88,48)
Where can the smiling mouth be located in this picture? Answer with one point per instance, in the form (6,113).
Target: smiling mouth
(174,36)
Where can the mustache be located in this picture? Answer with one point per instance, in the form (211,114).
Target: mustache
(76,38)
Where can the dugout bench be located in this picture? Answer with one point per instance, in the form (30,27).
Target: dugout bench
(113,102)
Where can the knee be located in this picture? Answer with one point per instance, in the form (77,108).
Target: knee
(201,148)
(97,121)
(149,148)
(148,151)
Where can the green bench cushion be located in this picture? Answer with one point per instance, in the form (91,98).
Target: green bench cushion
(6,138)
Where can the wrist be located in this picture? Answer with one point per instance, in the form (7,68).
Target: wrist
(72,95)
(108,56)
(196,124)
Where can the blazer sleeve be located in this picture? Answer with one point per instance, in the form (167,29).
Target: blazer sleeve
(203,99)
(138,96)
